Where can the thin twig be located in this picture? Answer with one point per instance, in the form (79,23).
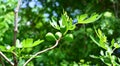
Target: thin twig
(16,29)
(115,7)
(2,62)
(57,41)
(11,63)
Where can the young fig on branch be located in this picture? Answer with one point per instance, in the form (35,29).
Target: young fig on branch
(69,37)
(58,35)
(50,37)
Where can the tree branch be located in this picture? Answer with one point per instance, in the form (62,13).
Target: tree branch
(57,41)
(16,29)
(6,59)
(2,61)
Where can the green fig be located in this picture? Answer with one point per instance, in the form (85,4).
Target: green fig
(50,37)
(58,35)
(89,30)
(69,37)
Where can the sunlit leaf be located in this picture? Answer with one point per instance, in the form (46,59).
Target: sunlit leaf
(112,43)
(29,43)
(116,45)
(102,39)
(18,44)
(37,42)
(2,48)
(54,24)
(70,25)
(84,19)
(65,19)
(7,48)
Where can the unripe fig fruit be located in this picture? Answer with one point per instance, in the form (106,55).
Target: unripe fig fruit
(58,35)
(50,37)
(69,37)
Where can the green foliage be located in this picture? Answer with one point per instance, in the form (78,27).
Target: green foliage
(7,48)
(65,24)
(29,43)
(106,56)
(103,40)
(74,27)
(84,19)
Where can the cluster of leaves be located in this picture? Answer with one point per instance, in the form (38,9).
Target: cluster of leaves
(107,55)
(65,24)
(34,26)
(6,18)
